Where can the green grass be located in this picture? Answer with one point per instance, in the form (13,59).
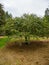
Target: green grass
(3,41)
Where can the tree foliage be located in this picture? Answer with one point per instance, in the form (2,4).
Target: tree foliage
(26,25)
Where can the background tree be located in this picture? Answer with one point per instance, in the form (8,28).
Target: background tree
(2,20)
(2,15)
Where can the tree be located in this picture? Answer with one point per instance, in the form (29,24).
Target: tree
(46,23)
(2,15)
(2,20)
(47,12)
(47,15)
(7,15)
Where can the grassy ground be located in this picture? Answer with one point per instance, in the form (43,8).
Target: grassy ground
(32,54)
(3,41)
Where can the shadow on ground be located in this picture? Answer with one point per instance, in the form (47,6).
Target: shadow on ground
(32,46)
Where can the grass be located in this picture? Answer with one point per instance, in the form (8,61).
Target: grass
(3,41)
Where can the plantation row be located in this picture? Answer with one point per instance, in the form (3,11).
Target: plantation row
(26,25)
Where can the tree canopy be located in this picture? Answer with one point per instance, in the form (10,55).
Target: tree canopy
(26,25)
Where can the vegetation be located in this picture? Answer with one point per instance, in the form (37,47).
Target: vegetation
(3,41)
(25,26)
(20,30)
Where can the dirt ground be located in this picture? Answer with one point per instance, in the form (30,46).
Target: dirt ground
(32,54)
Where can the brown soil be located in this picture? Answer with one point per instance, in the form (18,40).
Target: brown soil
(1,36)
(36,53)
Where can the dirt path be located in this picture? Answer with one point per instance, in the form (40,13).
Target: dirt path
(34,54)
(2,36)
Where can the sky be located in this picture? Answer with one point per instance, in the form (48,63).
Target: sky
(19,7)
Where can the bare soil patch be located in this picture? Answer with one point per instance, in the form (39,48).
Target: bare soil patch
(36,53)
(1,36)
